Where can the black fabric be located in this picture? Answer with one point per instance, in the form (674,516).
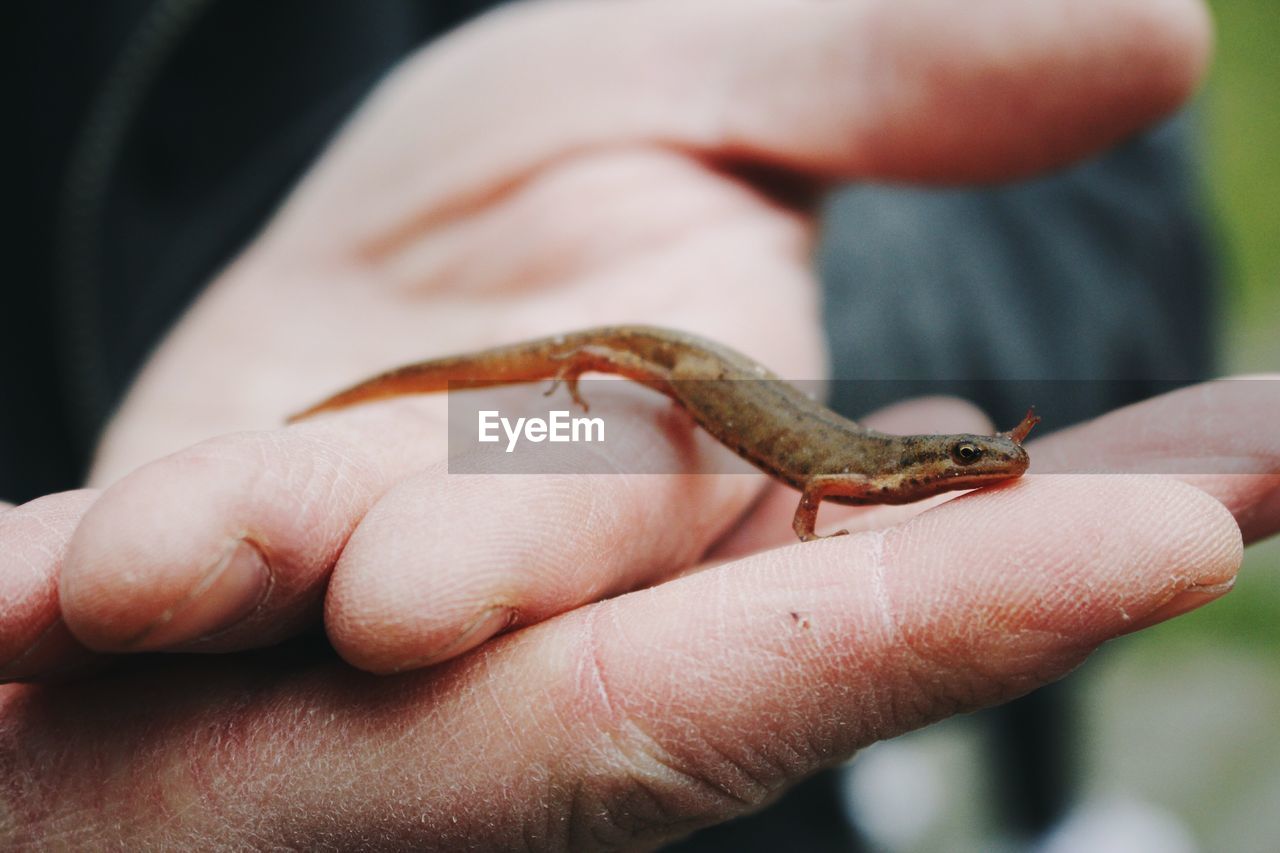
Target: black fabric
(226,106)
(115,219)
(1094,284)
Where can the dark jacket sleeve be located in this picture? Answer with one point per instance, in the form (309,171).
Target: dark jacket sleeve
(146,143)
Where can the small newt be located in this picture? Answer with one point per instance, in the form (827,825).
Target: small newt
(768,422)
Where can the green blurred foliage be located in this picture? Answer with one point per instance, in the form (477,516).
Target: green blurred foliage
(1241,108)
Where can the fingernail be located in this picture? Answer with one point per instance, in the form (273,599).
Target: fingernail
(1184,602)
(488,623)
(231,590)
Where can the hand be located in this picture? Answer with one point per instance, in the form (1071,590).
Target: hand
(375,256)
(636,719)
(635,191)
(573,164)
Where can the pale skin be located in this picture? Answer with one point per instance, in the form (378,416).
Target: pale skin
(594,725)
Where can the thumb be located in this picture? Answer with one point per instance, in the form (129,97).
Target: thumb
(919,90)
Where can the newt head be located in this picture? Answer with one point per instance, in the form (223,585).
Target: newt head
(968,461)
(920,466)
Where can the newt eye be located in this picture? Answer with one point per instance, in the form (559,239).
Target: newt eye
(966,453)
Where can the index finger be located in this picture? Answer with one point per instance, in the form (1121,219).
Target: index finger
(638,719)
(1216,436)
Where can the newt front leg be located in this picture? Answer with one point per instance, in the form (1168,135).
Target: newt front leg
(817,488)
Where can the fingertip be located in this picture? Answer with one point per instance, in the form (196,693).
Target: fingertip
(1011,90)
(1085,557)
(444,562)
(969,604)
(1177,36)
(1209,534)
(33,540)
(133,558)
(224,545)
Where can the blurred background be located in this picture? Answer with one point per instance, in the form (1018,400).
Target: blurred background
(1178,750)
(1176,746)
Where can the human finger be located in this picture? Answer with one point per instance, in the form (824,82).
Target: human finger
(230,544)
(34,640)
(908,91)
(447,559)
(440,565)
(1214,435)
(638,719)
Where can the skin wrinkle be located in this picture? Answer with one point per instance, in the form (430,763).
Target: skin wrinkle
(741,776)
(611,829)
(632,744)
(922,696)
(765,771)
(316,487)
(324,460)
(32,647)
(325,471)
(29,594)
(639,748)
(754,790)
(557,820)
(629,815)
(34,539)
(550,259)
(505,718)
(576,817)
(926,674)
(589,660)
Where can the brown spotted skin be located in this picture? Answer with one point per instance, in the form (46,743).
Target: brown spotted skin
(766,421)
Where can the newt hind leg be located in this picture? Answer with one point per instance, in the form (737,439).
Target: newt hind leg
(568,375)
(603,359)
